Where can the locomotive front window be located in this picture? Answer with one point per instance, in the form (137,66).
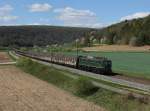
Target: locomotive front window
(109,63)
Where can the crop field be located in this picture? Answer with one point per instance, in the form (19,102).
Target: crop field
(4,57)
(129,63)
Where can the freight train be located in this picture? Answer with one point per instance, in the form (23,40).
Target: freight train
(100,65)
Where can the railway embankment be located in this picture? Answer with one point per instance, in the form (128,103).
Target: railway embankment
(142,88)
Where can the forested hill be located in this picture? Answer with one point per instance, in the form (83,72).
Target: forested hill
(38,35)
(133,32)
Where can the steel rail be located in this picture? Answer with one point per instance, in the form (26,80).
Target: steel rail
(122,82)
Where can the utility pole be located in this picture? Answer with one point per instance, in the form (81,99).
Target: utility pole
(77,40)
(51,53)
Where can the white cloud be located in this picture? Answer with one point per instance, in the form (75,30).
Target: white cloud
(97,25)
(44,20)
(5,14)
(7,18)
(75,17)
(94,25)
(135,16)
(40,7)
(6,9)
(36,23)
(69,13)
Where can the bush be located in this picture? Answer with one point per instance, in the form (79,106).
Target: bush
(144,100)
(23,61)
(125,41)
(140,41)
(133,41)
(130,96)
(84,87)
(106,40)
(136,41)
(4,48)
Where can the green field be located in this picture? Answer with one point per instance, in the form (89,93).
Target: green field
(129,63)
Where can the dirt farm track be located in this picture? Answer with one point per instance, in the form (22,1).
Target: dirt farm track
(4,57)
(122,48)
(22,92)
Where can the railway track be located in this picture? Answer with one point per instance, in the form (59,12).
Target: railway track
(145,89)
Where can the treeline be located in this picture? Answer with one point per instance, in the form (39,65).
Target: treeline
(133,32)
(38,35)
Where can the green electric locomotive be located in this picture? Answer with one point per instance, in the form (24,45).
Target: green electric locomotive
(99,65)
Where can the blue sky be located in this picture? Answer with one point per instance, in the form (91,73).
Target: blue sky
(86,13)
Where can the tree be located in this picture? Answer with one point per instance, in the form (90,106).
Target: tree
(133,41)
(136,41)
